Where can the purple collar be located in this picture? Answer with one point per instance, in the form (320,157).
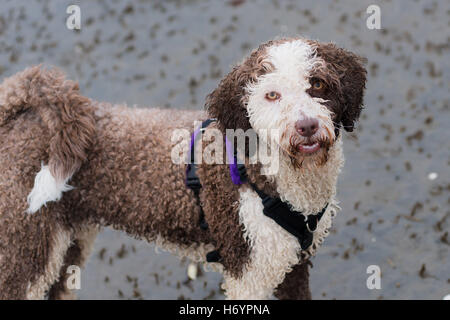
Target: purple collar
(231,156)
(234,170)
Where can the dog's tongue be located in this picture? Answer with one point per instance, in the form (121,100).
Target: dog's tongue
(310,148)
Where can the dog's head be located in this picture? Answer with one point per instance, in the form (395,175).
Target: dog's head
(305,89)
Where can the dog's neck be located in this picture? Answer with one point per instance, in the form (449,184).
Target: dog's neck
(309,188)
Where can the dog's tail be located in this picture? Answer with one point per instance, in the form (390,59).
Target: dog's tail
(67,115)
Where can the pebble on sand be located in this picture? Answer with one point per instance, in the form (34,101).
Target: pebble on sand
(192,271)
(432,176)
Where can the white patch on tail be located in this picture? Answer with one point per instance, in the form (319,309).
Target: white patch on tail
(45,189)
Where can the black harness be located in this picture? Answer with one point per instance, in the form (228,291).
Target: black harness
(294,222)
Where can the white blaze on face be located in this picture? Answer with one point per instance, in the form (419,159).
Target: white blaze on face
(292,64)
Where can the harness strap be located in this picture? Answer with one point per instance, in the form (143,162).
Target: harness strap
(294,222)
(192,179)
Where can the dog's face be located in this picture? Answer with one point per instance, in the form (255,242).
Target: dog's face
(304,89)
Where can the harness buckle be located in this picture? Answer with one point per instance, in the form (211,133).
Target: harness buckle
(192,181)
(242,172)
(308,221)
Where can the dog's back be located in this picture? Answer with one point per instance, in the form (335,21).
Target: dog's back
(118,161)
(43,119)
(40,109)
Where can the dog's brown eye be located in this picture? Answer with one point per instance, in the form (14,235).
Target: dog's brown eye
(272,95)
(318,85)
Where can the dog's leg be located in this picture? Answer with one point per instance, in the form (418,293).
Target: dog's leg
(76,255)
(296,284)
(39,286)
(273,253)
(259,283)
(32,258)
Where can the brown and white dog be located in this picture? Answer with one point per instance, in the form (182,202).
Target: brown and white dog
(70,165)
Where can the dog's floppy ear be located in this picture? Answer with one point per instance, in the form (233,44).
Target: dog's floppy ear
(227,101)
(353,84)
(350,70)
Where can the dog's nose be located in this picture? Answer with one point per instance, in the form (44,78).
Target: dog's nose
(307,127)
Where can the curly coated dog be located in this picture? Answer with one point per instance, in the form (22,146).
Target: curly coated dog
(70,165)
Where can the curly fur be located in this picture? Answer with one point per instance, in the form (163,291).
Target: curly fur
(118,160)
(65,112)
(345,75)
